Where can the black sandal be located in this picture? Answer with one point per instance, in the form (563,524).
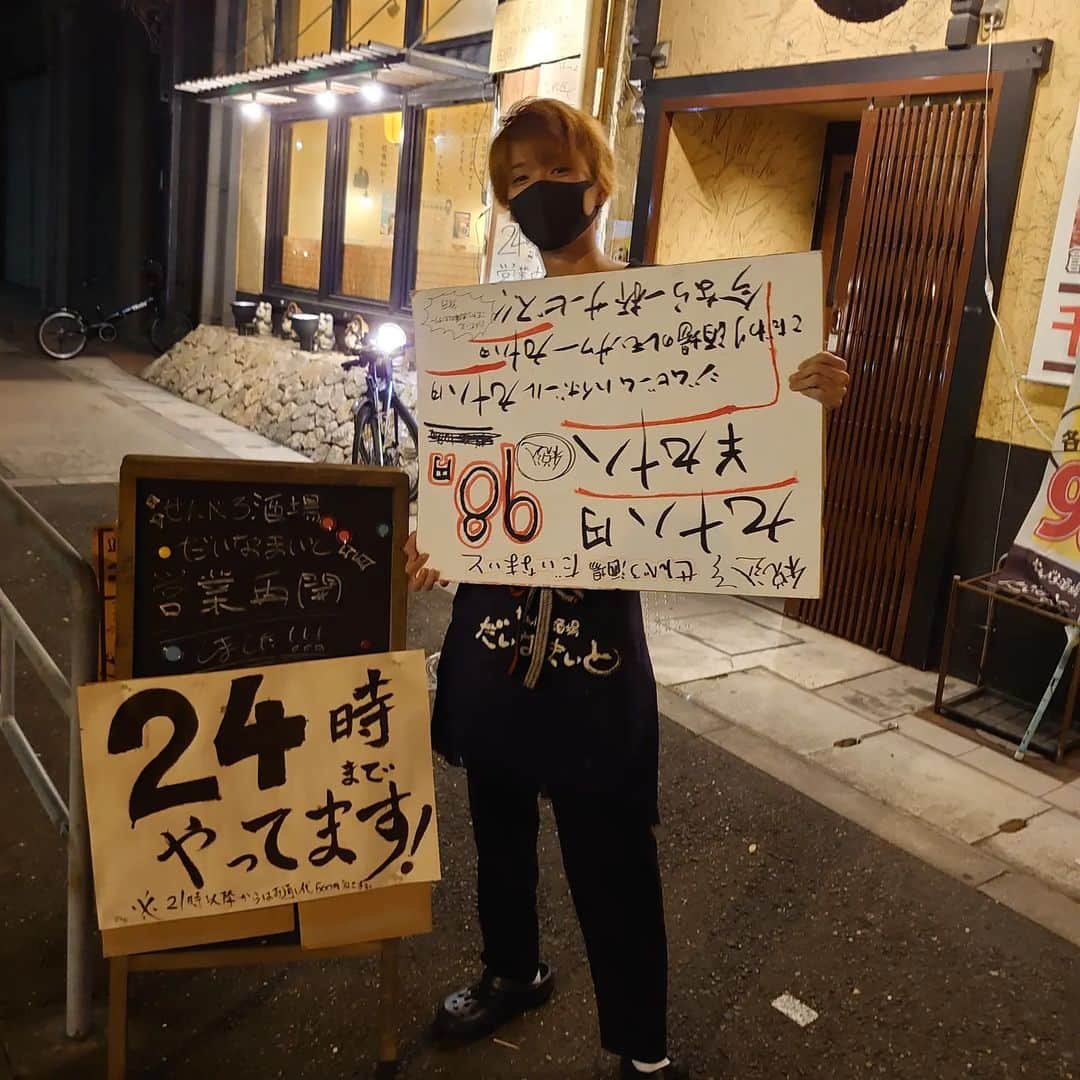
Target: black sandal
(476,1011)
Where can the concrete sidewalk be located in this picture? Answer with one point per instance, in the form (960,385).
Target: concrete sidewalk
(867,721)
(72,422)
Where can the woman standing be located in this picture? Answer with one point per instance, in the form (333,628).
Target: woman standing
(586,735)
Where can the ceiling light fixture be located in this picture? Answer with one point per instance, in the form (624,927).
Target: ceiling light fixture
(252,110)
(372,91)
(327,100)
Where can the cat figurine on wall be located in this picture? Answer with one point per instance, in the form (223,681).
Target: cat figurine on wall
(325,339)
(263,318)
(355,333)
(287,330)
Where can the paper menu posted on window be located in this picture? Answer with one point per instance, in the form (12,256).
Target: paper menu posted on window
(531,32)
(630,430)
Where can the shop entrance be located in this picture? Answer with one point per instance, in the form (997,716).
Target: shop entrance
(880,166)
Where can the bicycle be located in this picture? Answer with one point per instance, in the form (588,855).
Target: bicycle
(385,431)
(63,334)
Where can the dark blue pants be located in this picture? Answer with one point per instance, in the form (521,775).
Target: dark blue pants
(609,854)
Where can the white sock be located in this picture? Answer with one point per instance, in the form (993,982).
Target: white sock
(539,977)
(647,1067)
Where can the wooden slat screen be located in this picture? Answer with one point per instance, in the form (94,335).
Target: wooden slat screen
(907,250)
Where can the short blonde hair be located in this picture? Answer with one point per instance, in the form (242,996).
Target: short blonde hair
(547,118)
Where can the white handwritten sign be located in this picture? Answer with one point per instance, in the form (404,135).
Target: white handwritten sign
(629,430)
(1056,347)
(531,32)
(227,791)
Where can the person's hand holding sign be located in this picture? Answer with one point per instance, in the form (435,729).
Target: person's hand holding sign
(421,579)
(823,377)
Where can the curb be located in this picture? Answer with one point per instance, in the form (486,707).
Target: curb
(993,877)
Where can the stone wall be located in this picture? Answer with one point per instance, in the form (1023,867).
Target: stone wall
(300,400)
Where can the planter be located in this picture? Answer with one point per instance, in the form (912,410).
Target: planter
(244,316)
(305,326)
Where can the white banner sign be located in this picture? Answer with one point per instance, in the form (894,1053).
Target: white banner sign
(1044,560)
(631,430)
(1057,334)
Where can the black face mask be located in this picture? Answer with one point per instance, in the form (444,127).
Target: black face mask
(550,213)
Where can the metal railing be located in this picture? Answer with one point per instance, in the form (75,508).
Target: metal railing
(24,525)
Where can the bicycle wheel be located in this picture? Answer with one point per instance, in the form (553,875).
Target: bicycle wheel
(62,335)
(402,448)
(366,439)
(167,330)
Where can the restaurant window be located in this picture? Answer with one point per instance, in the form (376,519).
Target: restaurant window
(371,179)
(450,240)
(447,19)
(251,211)
(375,20)
(304,147)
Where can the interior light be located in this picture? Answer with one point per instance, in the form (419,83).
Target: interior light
(371,91)
(327,100)
(388,338)
(252,110)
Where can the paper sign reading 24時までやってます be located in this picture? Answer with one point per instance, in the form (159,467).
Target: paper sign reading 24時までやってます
(226,791)
(628,430)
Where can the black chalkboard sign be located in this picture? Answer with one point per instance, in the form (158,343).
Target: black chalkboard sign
(231,564)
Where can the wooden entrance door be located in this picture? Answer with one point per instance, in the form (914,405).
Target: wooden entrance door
(905,256)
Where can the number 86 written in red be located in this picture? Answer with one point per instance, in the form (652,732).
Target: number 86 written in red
(484,491)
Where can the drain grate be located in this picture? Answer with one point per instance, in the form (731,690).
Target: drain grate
(1012,825)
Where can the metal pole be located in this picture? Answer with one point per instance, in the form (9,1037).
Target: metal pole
(7,670)
(1072,634)
(950,629)
(176,110)
(42,663)
(21,516)
(80,924)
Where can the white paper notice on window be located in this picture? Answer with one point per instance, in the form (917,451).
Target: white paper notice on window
(513,258)
(628,430)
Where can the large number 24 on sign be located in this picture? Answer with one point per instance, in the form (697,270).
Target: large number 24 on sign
(1063,495)
(268,738)
(482,490)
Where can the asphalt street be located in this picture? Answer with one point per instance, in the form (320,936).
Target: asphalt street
(912,974)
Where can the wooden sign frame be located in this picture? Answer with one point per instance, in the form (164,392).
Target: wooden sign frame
(136,467)
(368,923)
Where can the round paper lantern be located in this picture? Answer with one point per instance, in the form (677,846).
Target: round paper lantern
(860,10)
